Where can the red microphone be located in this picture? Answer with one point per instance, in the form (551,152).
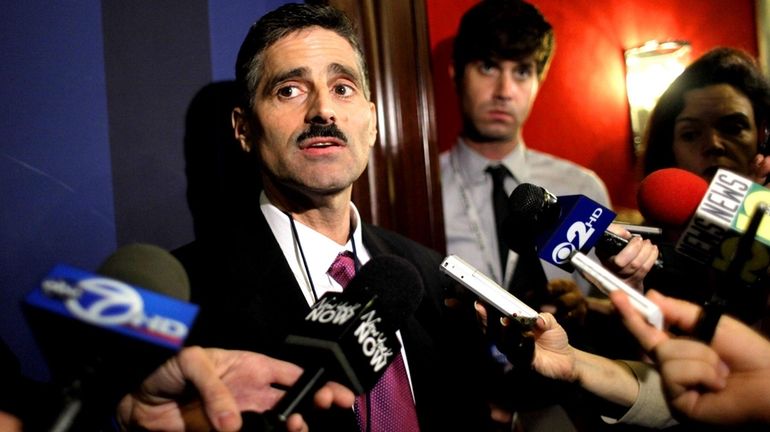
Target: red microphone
(669,197)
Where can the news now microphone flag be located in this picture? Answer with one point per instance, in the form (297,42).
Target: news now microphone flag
(723,215)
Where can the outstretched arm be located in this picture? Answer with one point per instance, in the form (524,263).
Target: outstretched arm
(556,358)
(724,383)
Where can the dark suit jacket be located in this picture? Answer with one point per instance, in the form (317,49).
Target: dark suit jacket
(250,300)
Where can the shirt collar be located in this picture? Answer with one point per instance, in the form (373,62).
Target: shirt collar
(319,250)
(473,165)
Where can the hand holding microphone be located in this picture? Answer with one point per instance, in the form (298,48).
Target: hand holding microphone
(350,337)
(227,382)
(634,262)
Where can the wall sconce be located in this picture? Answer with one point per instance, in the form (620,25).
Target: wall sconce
(650,68)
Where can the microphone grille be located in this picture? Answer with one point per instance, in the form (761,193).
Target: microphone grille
(532,210)
(150,267)
(396,283)
(526,202)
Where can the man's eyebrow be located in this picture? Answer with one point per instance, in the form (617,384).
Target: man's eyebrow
(340,69)
(290,74)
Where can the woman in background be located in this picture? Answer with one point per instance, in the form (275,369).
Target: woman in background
(714,115)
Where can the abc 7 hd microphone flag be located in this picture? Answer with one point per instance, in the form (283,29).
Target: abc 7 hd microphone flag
(101,334)
(114,306)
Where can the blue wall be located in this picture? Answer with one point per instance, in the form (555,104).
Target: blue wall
(91,131)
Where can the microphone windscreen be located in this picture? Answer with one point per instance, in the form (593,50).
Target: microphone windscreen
(150,267)
(396,283)
(532,210)
(526,200)
(670,196)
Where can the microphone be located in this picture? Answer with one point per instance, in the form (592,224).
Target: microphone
(669,197)
(725,232)
(715,217)
(562,230)
(101,335)
(557,227)
(350,337)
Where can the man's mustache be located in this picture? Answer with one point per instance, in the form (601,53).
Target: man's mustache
(316,131)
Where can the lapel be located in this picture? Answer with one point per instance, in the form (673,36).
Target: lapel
(264,292)
(418,343)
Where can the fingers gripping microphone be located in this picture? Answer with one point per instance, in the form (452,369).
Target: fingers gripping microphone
(101,335)
(350,337)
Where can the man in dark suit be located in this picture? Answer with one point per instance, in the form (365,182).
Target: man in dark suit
(304,111)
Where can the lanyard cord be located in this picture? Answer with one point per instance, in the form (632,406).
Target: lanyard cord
(473,217)
(357,264)
(295,235)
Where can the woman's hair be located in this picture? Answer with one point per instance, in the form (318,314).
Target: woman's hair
(718,66)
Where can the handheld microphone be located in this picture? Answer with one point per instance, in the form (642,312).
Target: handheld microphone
(350,337)
(715,217)
(725,233)
(556,227)
(669,197)
(101,336)
(562,230)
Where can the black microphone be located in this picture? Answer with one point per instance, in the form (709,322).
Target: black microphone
(101,335)
(350,337)
(533,211)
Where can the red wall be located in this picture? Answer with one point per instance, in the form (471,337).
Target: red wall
(581,113)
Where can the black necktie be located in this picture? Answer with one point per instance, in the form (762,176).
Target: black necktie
(529,279)
(500,205)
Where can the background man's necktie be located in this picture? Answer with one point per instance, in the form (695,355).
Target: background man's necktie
(500,205)
(390,401)
(529,279)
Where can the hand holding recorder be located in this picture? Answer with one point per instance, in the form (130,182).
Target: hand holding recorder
(489,290)
(725,382)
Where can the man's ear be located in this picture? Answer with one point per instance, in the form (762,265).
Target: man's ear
(241,128)
(451,71)
(373,124)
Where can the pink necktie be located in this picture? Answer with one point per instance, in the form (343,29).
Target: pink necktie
(391,405)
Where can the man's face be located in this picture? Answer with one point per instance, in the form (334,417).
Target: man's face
(716,129)
(496,98)
(311,121)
